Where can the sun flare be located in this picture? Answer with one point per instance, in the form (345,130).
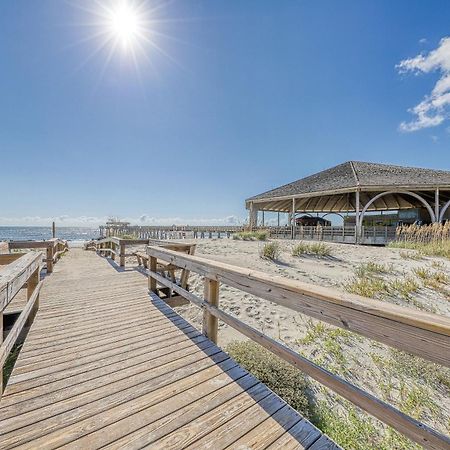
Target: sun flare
(125,23)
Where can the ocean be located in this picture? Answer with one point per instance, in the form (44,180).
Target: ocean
(75,234)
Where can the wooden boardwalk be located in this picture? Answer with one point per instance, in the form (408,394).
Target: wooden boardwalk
(107,365)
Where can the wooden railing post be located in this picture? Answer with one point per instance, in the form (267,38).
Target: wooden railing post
(50,259)
(113,248)
(1,342)
(33,281)
(210,322)
(152,268)
(122,255)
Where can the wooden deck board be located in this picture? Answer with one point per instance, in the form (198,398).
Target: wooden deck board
(105,364)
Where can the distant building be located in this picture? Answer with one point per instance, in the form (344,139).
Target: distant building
(362,193)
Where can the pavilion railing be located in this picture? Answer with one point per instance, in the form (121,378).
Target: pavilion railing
(423,334)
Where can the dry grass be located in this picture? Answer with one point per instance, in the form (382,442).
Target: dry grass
(251,236)
(271,251)
(429,240)
(315,249)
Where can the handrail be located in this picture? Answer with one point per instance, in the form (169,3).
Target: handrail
(426,335)
(24,270)
(54,249)
(110,245)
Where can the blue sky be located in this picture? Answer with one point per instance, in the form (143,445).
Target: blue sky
(230,99)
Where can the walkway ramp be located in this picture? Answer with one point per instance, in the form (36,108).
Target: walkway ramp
(107,365)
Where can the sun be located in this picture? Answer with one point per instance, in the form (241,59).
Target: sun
(125,23)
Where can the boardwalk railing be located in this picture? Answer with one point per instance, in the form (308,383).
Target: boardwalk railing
(423,334)
(54,249)
(24,270)
(115,246)
(169,232)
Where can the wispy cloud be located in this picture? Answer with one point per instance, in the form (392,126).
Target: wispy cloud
(434,108)
(91,221)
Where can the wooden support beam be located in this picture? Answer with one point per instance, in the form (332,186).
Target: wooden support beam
(152,264)
(210,322)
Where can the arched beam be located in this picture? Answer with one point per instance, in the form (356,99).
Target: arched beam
(443,211)
(337,214)
(413,194)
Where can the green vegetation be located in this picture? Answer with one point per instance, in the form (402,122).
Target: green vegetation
(440,249)
(371,269)
(352,429)
(271,251)
(315,248)
(404,287)
(251,236)
(9,363)
(367,287)
(128,236)
(331,342)
(284,379)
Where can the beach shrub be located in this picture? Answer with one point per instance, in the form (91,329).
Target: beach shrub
(283,378)
(251,235)
(315,248)
(271,251)
(366,287)
(372,269)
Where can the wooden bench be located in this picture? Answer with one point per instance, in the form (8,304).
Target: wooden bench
(167,270)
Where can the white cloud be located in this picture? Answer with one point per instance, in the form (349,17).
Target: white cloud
(93,222)
(435,107)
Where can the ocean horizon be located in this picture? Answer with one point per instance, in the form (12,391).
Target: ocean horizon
(35,233)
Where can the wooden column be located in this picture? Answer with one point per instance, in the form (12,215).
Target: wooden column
(122,255)
(436,205)
(252,217)
(210,323)
(33,281)
(50,259)
(152,268)
(357,219)
(293,219)
(53,230)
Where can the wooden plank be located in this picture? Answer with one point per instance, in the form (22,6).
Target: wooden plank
(15,275)
(9,258)
(408,426)
(10,340)
(300,437)
(423,334)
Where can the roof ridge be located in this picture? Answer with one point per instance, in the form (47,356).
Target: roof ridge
(355,174)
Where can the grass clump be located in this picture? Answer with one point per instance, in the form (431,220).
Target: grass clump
(9,363)
(316,249)
(271,251)
(371,269)
(352,429)
(430,278)
(284,379)
(415,256)
(366,287)
(251,236)
(404,287)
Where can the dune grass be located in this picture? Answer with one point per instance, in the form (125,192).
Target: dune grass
(271,251)
(251,236)
(319,249)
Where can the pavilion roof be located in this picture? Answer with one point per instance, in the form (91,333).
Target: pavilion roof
(352,175)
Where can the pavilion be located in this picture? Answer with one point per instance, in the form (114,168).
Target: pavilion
(356,188)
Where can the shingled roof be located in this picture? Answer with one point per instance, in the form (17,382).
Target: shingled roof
(353,174)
